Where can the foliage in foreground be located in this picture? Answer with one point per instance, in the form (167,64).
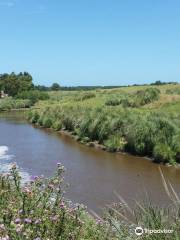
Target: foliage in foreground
(38,211)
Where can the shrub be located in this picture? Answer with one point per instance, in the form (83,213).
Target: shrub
(115,143)
(33,95)
(147,96)
(137,99)
(40,120)
(35,117)
(68,122)
(57,125)
(85,96)
(113,102)
(176,146)
(163,153)
(47,122)
(10,103)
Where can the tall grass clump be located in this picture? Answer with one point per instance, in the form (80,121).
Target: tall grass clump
(136,99)
(10,103)
(85,96)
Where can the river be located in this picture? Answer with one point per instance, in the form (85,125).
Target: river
(93,174)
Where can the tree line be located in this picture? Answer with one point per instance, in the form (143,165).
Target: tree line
(14,84)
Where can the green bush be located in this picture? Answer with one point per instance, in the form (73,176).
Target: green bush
(10,103)
(33,95)
(47,122)
(147,96)
(163,153)
(176,146)
(85,96)
(35,117)
(115,143)
(137,99)
(57,125)
(113,102)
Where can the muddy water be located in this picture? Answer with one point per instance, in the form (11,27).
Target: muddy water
(93,175)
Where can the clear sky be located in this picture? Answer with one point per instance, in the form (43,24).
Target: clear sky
(91,42)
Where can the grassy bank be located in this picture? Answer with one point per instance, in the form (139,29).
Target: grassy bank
(140,120)
(39,211)
(9,103)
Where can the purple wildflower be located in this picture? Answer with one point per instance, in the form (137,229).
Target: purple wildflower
(17,220)
(27,220)
(62,205)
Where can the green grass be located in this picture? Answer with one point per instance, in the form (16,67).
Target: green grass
(10,103)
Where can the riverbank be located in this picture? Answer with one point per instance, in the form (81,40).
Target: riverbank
(96,145)
(10,104)
(151,129)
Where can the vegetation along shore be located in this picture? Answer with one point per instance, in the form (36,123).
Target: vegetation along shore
(139,120)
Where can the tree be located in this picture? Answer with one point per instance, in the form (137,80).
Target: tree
(55,87)
(13,83)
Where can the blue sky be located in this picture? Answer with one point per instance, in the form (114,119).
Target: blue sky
(91,42)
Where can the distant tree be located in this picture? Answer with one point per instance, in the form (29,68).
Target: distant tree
(158,82)
(55,87)
(41,88)
(13,83)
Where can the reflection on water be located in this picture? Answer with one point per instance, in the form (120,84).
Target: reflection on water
(93,174)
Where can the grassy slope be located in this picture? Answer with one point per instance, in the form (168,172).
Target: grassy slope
(167,103)
(101,96)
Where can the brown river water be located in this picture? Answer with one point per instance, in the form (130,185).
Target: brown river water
(93,174)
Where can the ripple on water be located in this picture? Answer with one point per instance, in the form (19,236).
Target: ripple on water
(6,163)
